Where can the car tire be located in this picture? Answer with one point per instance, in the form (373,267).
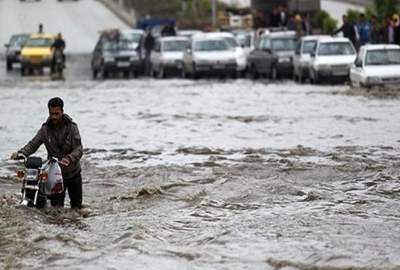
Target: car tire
(274,73)
(9,65)
(253,73)
(22,70)
(94,73)
(161,73)
(104,74)
(183,72)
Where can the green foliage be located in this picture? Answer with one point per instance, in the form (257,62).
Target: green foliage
(329,25)
(385,8)
(319,18)
(353,15)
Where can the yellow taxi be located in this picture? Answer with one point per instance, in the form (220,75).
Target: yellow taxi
(37,53)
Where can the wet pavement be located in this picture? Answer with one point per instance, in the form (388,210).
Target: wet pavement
(208,174)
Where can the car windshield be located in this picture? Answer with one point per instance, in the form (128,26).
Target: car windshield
(283,44)
(175,45)
(211,45)
(114,45)
(232,41)
(132,37)
(335,48)
(383,57)
(18,40)
(309,46)
(39,42)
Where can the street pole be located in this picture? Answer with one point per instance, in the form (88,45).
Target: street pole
(214,13)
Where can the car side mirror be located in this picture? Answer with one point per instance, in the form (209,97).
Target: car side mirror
(7,45)
(358,64)
(312,54)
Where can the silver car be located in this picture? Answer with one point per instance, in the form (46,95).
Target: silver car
(209,56)
(302,59)
(167,56)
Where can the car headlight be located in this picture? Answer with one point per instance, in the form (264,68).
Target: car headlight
(134,58)
(284,59)
(108,58)
(373,80)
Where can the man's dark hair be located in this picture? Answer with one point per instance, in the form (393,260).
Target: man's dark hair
(56,102)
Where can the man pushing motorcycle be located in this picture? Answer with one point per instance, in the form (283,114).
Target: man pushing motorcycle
(62,140)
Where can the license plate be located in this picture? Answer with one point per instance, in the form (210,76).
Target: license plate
(123,64)
(218,66)
(36,60)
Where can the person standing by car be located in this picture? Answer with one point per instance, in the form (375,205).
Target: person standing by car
(148,47)
(40,29)
(58,44)
(348,30)
(60,135)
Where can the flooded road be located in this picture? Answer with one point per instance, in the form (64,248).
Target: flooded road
(209,174)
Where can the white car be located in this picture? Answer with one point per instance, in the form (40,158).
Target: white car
(209,56)
(241,57)
(188,33)
(376,65)
(302,59)
(332,60)
(167,55)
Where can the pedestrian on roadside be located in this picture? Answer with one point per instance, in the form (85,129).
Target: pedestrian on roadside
(375,35)
(307,25)
(347,29)
(149,42)
(364,30)
(40,29)
(60,136)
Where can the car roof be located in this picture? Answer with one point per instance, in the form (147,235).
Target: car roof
(43,35)
(204,36)
(333,39)
(279,34)
(131,31)
(371,47)
(220,34)
(314,37)
(172,38)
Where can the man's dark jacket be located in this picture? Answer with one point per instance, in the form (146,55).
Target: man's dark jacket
(64,142)
(348,31)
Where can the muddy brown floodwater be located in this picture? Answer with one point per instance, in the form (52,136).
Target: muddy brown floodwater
(210,174)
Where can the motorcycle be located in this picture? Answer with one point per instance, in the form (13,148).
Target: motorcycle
(36,183)
(58,68)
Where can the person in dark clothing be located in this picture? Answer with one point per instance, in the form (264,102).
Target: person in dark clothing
(283,16)
(307,25)
(60,135)
(58,44)
(347,29)
(375,34)
(40,29)
(275,17)
(149,42)
(168,30)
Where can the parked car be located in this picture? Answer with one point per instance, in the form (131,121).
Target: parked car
(37,53)
(240,55)
(273,55)
(332,60)
(188,32)
(114,54)
(376,65)
(13,49)
(167,56)
(302,59)
(210,56)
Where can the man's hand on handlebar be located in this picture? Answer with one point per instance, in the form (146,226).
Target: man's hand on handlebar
(65,162)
